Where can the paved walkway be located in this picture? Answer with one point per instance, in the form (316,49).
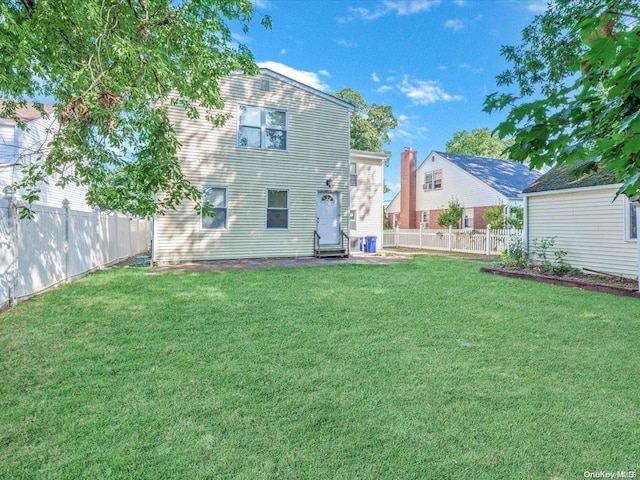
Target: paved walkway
(222,265)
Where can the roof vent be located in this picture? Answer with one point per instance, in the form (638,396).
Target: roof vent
(265,84)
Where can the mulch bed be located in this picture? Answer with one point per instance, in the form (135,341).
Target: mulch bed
(597,283)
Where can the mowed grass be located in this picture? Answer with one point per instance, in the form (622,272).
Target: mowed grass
(422,370)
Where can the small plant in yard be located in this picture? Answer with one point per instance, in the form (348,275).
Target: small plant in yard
(561,266)
(494,216)
(541,250)
(516,254)
(452,215)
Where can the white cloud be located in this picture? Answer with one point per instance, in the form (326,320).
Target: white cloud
(472,69)
(344,43)
(409,7)
(442,68)
(283,51)
(374,77)
(460,3)
(422,92)
(410,128)
(454,24)
(324,73)
(399,7)
(384,88)
(263,4)
(311,79)
(538,6)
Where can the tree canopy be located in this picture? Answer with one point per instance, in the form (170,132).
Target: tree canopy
(577,75)
(113,68)
(370,124)
(479,142)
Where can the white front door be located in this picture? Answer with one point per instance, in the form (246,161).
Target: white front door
(328,212)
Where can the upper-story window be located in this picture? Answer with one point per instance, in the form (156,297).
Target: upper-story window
(353,174)
(261,127)
(433,180)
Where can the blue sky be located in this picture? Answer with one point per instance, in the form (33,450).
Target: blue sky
(432,61)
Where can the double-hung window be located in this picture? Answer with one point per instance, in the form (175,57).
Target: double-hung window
(631,221)
(353,220)
(261,127)
(214,208)
(353,174)
(425,219)
(433,180)
(277,209)
(467,218)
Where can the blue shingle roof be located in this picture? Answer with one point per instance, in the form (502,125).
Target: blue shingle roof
(505,176)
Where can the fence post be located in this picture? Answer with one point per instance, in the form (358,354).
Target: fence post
(115,228)
(488,241)
(12,229)
(395,237)
(65,243)
(421,235)
(450,237)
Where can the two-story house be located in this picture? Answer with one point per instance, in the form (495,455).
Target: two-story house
(275,177)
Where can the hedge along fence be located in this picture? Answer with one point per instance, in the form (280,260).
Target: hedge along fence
(60,244)
(482,242)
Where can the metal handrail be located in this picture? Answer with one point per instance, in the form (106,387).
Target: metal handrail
(342,237)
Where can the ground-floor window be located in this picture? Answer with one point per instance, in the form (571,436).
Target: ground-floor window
(631,221)
(214,208)
(277,209)
(353,220)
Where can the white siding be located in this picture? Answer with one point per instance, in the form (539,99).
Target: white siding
(366,197)
(318,150)
(456,184)
(588,224)
(394,204)
(30,145)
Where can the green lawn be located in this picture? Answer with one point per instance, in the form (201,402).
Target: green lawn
(422,370)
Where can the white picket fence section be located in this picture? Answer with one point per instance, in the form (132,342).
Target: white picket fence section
(59,244)
(482,242)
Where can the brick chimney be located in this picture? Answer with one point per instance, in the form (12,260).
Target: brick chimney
(407,217)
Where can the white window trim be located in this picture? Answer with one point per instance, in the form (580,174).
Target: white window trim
(263,128)
(627,221)
(266,208)
(355,220)
(226,207)
(353,175)
(425,214)
(430,185)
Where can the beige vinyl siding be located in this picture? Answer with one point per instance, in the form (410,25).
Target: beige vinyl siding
(456,184)
(588,224)
(317,151)
(367,196)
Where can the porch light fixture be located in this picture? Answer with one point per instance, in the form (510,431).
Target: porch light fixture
(329,182)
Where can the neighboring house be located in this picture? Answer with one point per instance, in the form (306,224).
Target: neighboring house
(275,177)
(598,230)
(476,183)
(393,211)
(23,146)
(366,190)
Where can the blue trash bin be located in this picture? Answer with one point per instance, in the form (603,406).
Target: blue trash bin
(371,244)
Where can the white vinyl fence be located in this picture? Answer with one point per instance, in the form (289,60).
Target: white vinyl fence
(58,244)
(483,242)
